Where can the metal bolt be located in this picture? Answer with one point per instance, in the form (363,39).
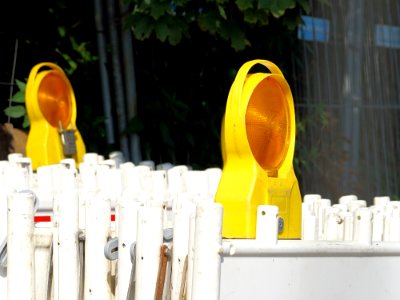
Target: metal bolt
(281,224)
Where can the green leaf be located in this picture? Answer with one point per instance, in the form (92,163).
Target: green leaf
(20,84)
(305,4)
(209,21)
(266,4)
(162,31)
(143,26)
(244,4)
(16,111)
(222,12)
(238,40)
(175,37)
(61,31)
(19,97)
(286,4)
(277,13)
(159,9)
(26,122)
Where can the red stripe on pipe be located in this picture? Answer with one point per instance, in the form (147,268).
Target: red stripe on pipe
(38,219)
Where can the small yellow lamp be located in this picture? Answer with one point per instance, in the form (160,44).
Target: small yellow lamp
(258,140)
(51,108)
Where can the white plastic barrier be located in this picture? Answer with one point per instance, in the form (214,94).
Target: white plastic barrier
(348,246)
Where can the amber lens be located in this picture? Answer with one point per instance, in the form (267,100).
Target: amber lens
(267,124)
(54,100)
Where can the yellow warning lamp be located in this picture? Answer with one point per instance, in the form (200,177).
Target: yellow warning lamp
(258,137)
(51,107)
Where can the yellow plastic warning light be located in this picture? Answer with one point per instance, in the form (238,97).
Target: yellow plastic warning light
(258,141)
(51,108)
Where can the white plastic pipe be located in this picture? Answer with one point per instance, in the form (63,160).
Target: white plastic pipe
(332,220)
(3,241)
(175,179)
(97,267)
(346,199)
(310,227)
(214,177)
(180,246)
(207,260)
(159,185)
(348,226)
(378,222)
(191,254)
(267,224)
(127,227)
(149,241)
(381,200)
(66,222)
(322,205)
(25,164)
(363,226)
(196,182)
(43,238)
(20,246)
(309,200)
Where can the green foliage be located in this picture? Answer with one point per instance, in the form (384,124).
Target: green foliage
(172,20)
(18,111)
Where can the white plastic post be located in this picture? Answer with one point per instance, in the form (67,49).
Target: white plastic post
(309,200)
(207,260)
(25,164)
(3,242)
(381,200)
(4,174)
(322,204)
(159,186)
(97,267)
(309,224)
(393,226)
(191,254)
(348,226)
(363,225)
(91,158)
(175,179)
(66,222)
(332,220)
(180,246)
(109,180)
(43,237)
(356,204)
(149,241)
(214,176)
(127,227)
(20,246)
(310,228)
(68,163)
(196,182)
(346,199)
(378,220)
(267,224)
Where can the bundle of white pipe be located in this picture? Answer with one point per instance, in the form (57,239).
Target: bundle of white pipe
(80,201)
(350,219)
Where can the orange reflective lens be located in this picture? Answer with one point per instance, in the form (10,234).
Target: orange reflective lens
(268,124)
(54,100)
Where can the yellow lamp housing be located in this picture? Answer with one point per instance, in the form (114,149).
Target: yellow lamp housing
(258,140)
(51,108)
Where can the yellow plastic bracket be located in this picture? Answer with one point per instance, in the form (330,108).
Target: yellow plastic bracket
(51,108)
(258,141)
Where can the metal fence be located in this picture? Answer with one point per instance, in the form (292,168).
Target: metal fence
(346,88)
